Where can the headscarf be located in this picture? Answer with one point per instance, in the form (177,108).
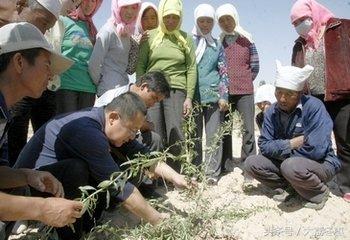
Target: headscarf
(122,28)
(265,93)
(78,14)
(229,9)
(203,10)
(319,15)
(144,7)
(167,7)
(292,78)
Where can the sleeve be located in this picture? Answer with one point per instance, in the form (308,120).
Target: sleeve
(224,79)
(142,63)
(97,155)
(318,127)
(269,146)
(254,60)
(98,54)
(191,74)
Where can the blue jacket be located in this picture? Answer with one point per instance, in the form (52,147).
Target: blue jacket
(310,119)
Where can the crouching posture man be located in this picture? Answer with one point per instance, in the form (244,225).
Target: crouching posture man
(85,138)
(295,142)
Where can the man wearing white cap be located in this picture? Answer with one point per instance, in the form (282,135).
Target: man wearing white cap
(27,62)
(43,14)
(295,142)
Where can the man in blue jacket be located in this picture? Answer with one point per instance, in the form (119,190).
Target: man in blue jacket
(295,142)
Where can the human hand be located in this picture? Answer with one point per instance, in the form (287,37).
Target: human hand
(159,218)
(59,212)
(296,142)
(43,182)
(223,105)
(187,106)
(180,181)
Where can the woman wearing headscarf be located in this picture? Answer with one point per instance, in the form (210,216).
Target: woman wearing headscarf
(109,59)
(324,38)
(243,67)
(171,50)
(77,89)
(148,18)
(211,89)
(146,21)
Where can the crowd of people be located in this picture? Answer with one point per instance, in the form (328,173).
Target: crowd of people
(70,80)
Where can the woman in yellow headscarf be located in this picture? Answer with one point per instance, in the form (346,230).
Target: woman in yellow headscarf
(171,50)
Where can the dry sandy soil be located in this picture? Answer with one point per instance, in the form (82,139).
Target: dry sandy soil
(267,219)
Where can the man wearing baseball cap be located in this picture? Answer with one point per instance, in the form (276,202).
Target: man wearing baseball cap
(295,143)
(27,62)
(43,14)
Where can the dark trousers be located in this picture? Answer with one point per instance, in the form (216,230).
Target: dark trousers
(306,176)
(342,139)
(70,101)
(340,114)
(244,104)
(39,111)
(167,117)
(72,173)
(212,119)
(152,140)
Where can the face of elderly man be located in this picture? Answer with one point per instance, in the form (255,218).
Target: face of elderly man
(287,100)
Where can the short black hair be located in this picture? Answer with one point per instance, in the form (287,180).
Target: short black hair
(29,54)
(127,105)
(157,81)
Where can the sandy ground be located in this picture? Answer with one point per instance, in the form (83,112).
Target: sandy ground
(269,219)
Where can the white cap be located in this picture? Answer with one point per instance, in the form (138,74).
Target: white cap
(292,78)
(53,6)
(22,36)
(265,93)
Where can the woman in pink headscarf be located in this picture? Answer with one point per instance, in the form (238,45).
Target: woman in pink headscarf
(324,39)
(109,60)
(76,88)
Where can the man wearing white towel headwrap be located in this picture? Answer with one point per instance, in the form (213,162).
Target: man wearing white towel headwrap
(295,143)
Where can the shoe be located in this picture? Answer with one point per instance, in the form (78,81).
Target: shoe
(283,195)
(213,181)
(247,181)
(346,197)
(316,206)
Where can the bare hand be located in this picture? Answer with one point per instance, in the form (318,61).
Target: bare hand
(223,105)
(44,182)
(180,182)
(59,212)
(187,106)
(297,142)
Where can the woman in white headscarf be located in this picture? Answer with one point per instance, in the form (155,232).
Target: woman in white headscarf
(171,50)
(148,18)
(211,89)
(243,67)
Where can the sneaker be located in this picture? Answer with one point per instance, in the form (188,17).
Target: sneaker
(283,195)
(346,197)
(317,206)
(212,181)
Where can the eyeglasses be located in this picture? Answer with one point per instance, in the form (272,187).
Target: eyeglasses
(131,131)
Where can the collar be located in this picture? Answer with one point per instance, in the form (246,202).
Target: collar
(3,108)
